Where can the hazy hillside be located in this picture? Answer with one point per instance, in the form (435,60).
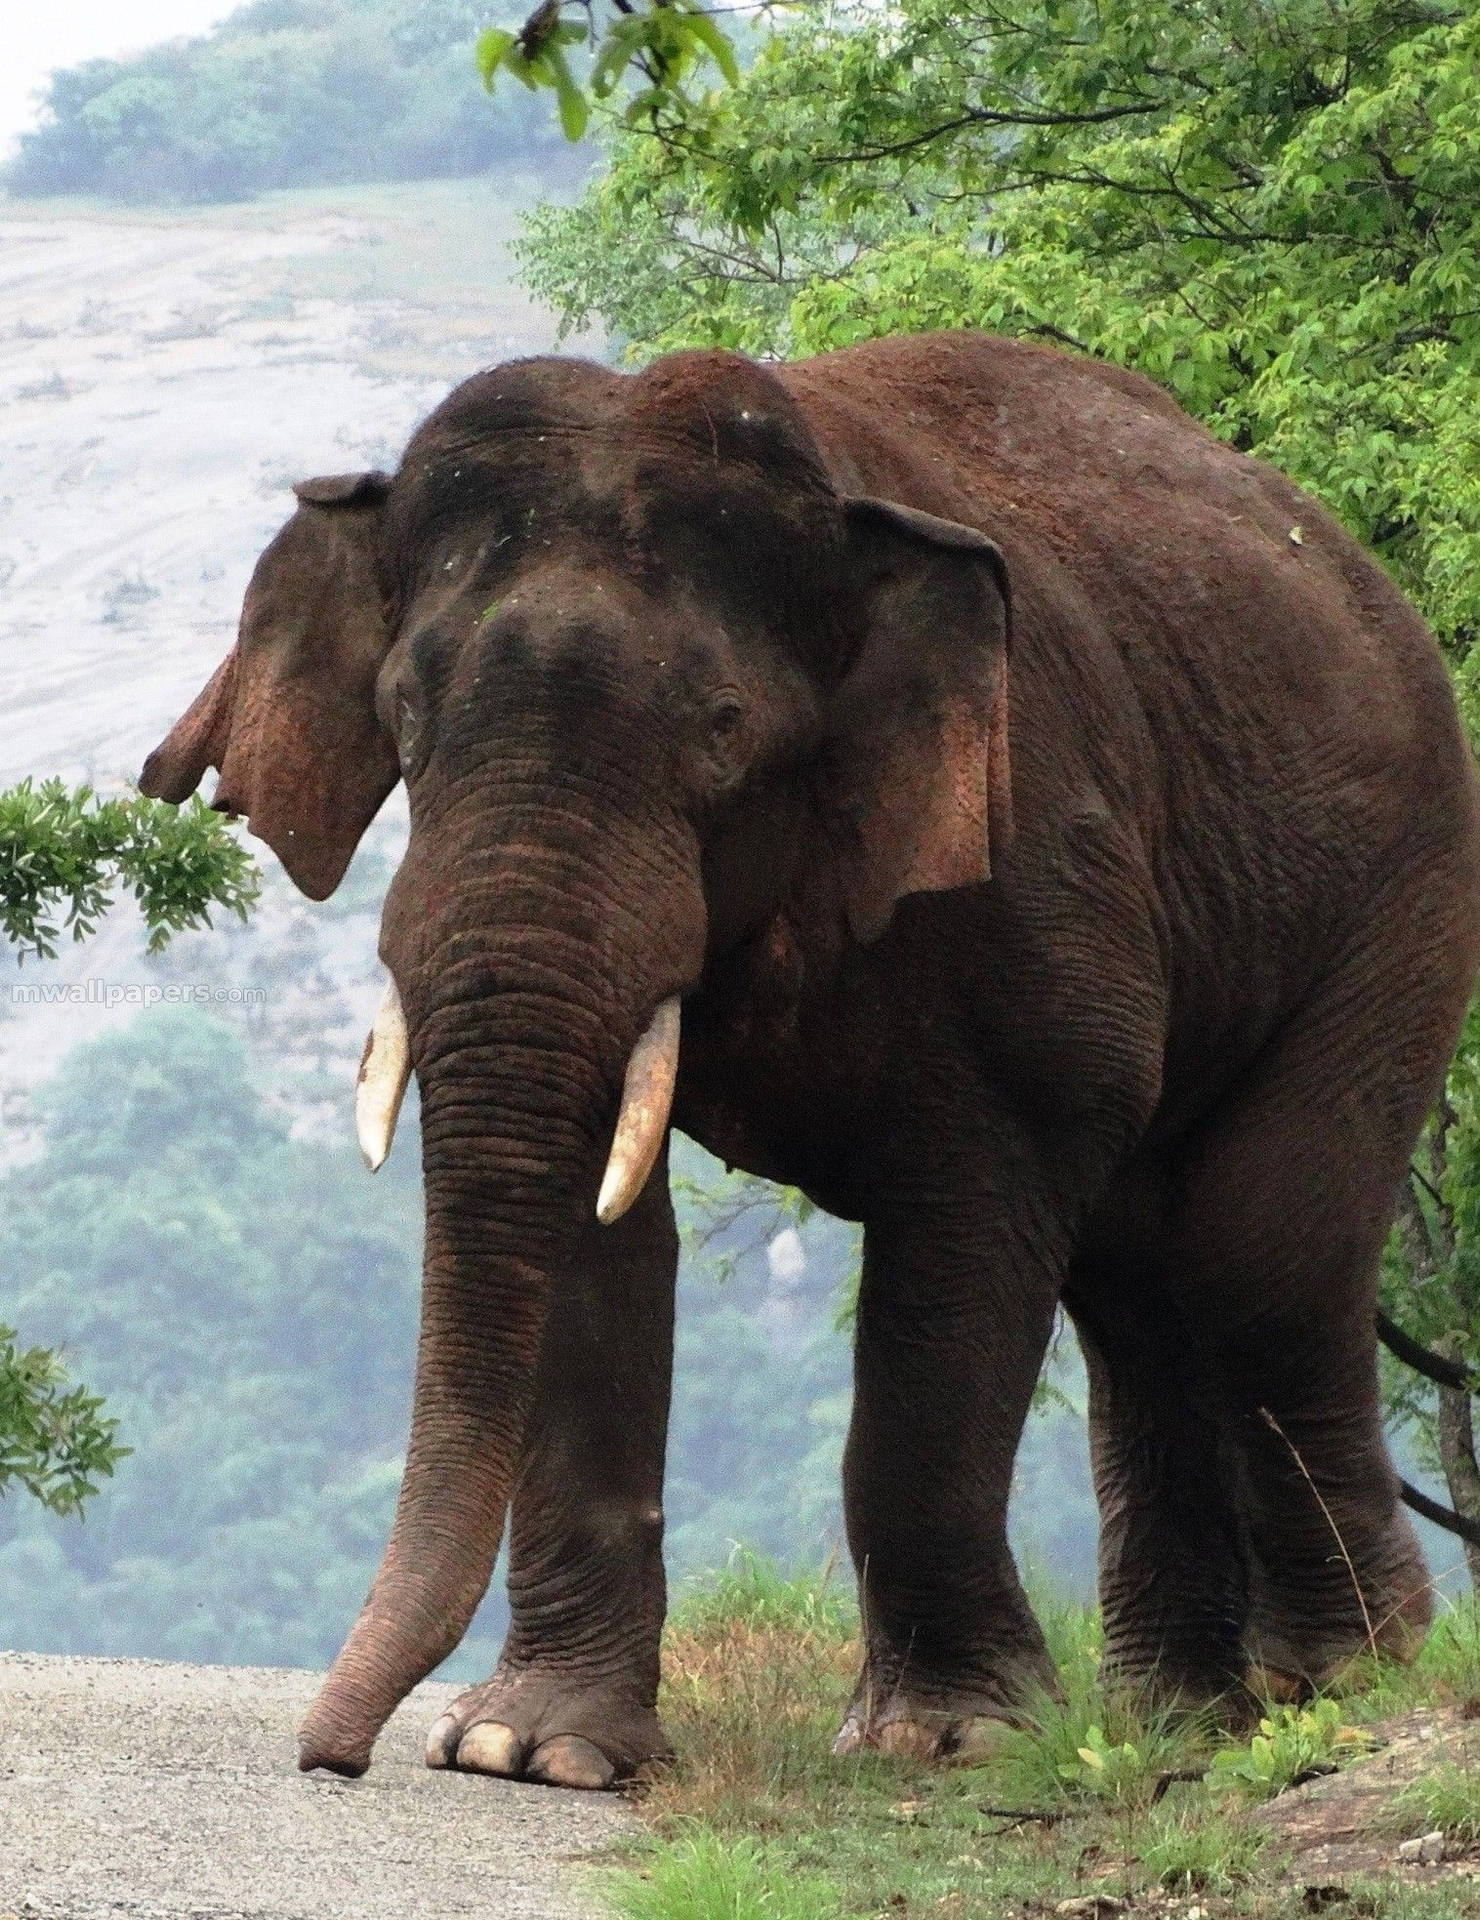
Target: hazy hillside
(162,381)
(287,93)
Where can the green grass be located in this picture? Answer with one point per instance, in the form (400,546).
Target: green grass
(1446,1671)
(704,1876)
(1089,1744)
(1448,1799)
(1197,1851)
(756,1819)
(751,1592)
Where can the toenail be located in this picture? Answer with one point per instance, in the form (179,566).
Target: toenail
(442,1742)
(569,1761)
(490,1747)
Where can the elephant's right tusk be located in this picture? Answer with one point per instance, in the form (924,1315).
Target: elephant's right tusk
(647,1097)
(385,1067)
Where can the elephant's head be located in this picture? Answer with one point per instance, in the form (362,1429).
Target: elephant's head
(634,655)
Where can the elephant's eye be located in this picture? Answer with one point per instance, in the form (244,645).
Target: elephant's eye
(726,734)
(726,721)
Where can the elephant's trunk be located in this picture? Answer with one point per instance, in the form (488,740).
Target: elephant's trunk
(520,1035)
(642,1123)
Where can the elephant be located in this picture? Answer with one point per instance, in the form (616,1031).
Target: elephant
(942,776)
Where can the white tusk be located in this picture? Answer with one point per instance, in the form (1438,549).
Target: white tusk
(647,1096)
(385,1067)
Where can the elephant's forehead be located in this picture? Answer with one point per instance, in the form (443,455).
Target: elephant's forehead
(517,484)
(717,403)
(570,439)
(638,498)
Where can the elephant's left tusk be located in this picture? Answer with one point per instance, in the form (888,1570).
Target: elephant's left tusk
(385,1067)
(647,1097)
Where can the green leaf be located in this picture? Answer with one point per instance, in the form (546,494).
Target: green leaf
(55,1443)
(622,42)
(529,73)
(574,109)
(491,51)
(718,44)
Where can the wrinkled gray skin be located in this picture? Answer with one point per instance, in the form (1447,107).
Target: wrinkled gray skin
(700,684)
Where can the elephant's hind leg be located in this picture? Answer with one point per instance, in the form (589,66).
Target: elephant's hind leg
(573,1701)
(1173,1573)
(1285,1196)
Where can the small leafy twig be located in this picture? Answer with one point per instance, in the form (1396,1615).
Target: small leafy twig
(661,42)
(64,852)
(54,1442)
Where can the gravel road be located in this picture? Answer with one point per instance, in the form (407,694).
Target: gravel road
(137,1787)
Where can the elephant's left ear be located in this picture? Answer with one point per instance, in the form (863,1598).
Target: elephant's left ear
(289,715)
(918,757)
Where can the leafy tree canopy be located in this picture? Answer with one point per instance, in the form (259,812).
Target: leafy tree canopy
(283,93)
(1270,206)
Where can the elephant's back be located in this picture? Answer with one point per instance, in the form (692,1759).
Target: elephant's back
(1225,615)
(1196,641)
(1095,471)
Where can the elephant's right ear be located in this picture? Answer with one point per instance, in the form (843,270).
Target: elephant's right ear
(919,781)
(289,715)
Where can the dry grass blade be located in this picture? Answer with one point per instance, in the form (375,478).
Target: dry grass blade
(1275,1428)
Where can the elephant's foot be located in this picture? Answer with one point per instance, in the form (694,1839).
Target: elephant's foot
(959,1725)
(542,1725)
(916,1731)
(1295,1649)
(1189,1667)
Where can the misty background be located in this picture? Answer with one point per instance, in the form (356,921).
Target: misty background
(227,262)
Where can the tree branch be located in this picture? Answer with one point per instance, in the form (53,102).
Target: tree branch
(985,117)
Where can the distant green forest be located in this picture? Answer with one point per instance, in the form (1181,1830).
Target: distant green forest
(247,1302)
(287,93)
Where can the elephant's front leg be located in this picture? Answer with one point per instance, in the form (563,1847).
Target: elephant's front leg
(573,1701)
(955,1312)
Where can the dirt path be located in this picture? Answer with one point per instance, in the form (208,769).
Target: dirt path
(139,1788)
